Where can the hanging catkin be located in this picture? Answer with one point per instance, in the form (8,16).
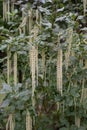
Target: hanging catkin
(77,118)
(36,51)
(83,92)
(5,10)
(24,22)
(32,66)
(8,65)
(43,62)
(15,68)
(84,5)
(30,20)
(36,59)
(86,64)
(12,6)
(32,60)
(59,68)
(28,121)
(69,41)
(22,25)
(40,20)
(10,123)
(8,10)
(37,16)
(77,121)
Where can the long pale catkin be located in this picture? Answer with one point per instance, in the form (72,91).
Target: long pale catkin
(8,65)
(77,118)
(4,10)
(8,10)
(30,20)
(68,51)
(28,121)
(84,5)
(43,62)
(59,71)
(10,123)
(36,60)
(12,7)
(36,51)
(32,66)
(59,68)
(32,60)
(15,68)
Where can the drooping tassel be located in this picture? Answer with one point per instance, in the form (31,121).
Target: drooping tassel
(12,6)
(59,71)
(36,48)
(24,21)
(77,121)
(43,62)
(32,56)
(10,123)
(83,92)
(40,20)
(77,118)
(15,68)
(32,66)
(69,41)
(28,121)
(37,18)
(8,10)
(22,25)
(5,9)
(8,65)
(59,68)
(84,5)
(30,20)
(37,64)
(85,64)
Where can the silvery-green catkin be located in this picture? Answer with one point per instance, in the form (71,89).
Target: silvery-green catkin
(28,121)
(12,7)
(15,68)
(83,92)
(32,67)
(24,22)
(86,64)
(77,118)
(68,51)
(8,10)
(37,16)
(77,121)
(5,9)
(30,20)
(84,5)
(59,66)
(36,63)
(8,65)
(43,62)
(22,25)
(10,123)
(36,51)
(59,71)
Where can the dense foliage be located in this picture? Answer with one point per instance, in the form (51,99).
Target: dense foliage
(57,16)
